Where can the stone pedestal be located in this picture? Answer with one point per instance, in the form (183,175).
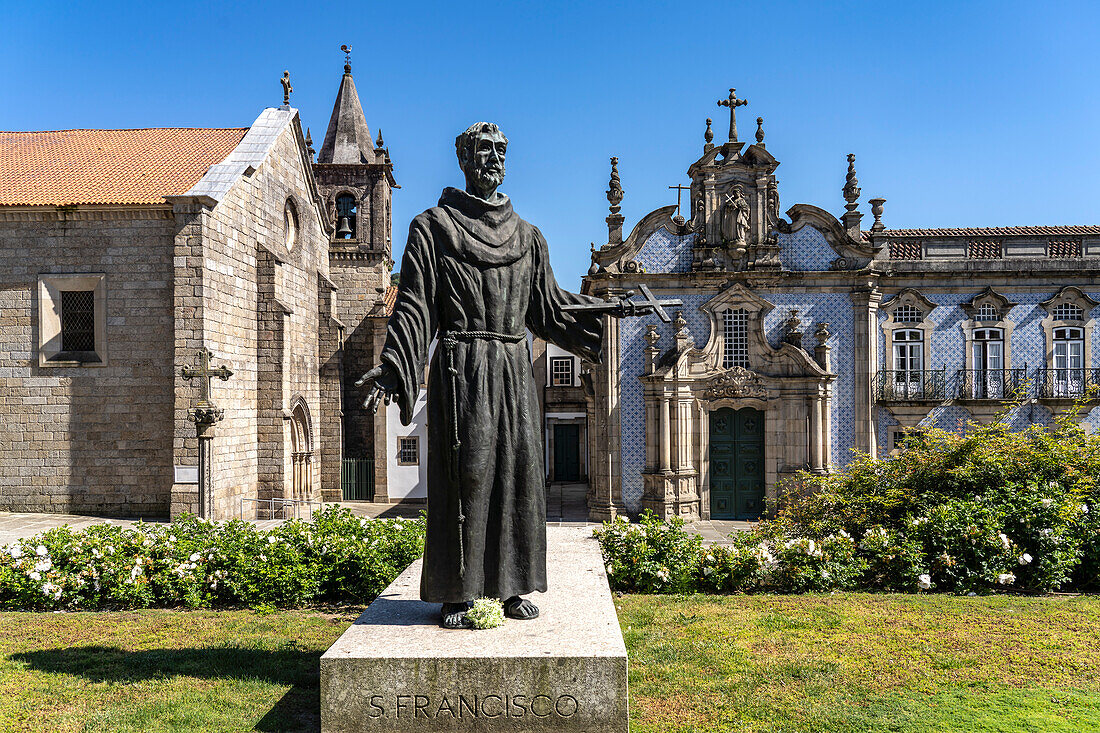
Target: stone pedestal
(395,669)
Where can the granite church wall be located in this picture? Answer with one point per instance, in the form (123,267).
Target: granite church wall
(88,439)
(248,274)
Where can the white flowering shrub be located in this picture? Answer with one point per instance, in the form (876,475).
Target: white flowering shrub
(651,556)
(195,563)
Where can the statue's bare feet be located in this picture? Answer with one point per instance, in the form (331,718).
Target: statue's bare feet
(520,608)
(454,615)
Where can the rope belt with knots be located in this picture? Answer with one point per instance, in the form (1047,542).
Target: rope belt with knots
(449,340)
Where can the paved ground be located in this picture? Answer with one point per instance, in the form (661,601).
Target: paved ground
(565,507)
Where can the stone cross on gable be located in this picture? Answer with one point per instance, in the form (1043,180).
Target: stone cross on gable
(733,103)
(287,89)
(205,373)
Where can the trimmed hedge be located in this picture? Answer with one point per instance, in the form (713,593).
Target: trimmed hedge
(334,558)
(992,509)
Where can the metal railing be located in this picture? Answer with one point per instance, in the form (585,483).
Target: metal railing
(991,384)
(281,505)
(357,479)
(916,385)
(1067,383)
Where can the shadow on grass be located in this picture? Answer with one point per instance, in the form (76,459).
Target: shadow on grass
(297,710)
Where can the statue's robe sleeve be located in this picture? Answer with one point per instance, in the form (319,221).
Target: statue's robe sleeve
(413,322)
(578,332)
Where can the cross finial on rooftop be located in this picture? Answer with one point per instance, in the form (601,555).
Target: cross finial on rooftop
(679,191)
(733,103)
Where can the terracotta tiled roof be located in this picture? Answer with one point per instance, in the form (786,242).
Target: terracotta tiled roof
(390,299)
(67,167)
(1060,231)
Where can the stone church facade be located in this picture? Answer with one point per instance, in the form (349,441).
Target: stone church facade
(805,339)
(123,252)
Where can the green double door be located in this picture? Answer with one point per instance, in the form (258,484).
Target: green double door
(736,463)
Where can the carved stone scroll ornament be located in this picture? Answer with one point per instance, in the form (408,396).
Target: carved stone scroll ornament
(735,383)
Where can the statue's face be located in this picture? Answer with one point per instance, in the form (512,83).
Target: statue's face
(484,164)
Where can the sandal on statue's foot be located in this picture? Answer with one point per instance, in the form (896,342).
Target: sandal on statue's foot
(454,615)
(520,608)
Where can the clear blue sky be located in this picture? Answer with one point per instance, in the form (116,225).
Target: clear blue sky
(960,113)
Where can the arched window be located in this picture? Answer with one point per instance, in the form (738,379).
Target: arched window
(290,225)
(735,338)
(908,314)
(301,454)
(1068,312)
(988,312)
(346,209)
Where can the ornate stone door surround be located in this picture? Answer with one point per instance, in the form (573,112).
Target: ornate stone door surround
(683,384)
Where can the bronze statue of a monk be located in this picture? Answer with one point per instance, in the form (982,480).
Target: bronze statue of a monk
(477,276)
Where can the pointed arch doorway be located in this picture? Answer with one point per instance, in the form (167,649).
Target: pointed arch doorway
(736,463)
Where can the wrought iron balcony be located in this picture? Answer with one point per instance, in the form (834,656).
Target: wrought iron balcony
(1068,384)
(991,384)
(926,385)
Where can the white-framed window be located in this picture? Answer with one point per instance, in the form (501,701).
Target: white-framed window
(1068,362)
(72,320)
(988,312)
(408,450)
(735,338)
(988,352)
(908,314)
(1067,312)
(561,371)
(908,361)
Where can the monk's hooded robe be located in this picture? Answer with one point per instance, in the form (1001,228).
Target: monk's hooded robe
(476,275)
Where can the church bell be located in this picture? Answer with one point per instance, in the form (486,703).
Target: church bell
(344,230)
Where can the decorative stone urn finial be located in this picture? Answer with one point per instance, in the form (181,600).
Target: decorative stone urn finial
(708,138)
(876,210)
(594,268)
(760,131)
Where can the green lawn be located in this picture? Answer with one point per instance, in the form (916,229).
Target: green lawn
(845,662)
(861,662)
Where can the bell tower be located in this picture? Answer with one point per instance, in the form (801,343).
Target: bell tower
(355,176)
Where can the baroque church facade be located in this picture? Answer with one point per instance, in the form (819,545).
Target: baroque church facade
(805,338)
(124,252)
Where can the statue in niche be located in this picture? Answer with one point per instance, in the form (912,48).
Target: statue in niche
(735,221)
(772,207)
(477,277)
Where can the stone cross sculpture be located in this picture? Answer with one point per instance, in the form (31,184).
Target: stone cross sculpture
(733,103)
(477,277)
(205,414)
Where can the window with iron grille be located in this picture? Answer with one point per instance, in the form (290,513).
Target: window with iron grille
(905,250)
(988,312)
(408,451)
(735,338)
(78,320)
(561,371)
(984,250)
(1067,312)
(908,314)
(1064,250)
(904,436)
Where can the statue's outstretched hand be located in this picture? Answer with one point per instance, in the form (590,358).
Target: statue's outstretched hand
(627,308)
(383,383)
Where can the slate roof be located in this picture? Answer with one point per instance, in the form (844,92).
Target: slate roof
(347,139)
(67,167)
(249,153)
(1034,231)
